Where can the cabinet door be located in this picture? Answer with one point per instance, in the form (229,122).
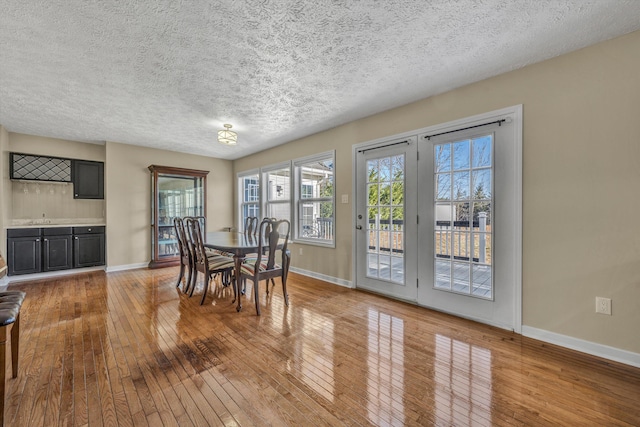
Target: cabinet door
(24,255)
(88,250)
(88,179)
(57,253)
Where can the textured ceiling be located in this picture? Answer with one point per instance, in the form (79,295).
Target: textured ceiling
(169,73)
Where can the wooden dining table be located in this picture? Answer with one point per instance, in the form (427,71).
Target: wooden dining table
(239,244)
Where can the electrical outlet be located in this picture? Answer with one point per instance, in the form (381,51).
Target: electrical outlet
(300,251)
(603,305)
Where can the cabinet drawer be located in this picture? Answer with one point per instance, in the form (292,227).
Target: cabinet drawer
(57,231)
(89,230)
(23,232)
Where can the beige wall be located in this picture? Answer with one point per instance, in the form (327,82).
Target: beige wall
(128,195)
(45,200)
(581,175)
(31,144)
(5,188)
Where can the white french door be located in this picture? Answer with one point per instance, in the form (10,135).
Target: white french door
(386,225)
(456,247)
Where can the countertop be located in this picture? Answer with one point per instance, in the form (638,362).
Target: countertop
(56,222)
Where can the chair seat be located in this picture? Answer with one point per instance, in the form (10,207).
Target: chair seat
(10,303)
(248,267)
(219,262)
(218,252)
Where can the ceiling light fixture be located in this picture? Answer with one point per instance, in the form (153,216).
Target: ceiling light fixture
(227,136)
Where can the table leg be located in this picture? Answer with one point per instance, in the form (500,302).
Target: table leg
(239,259)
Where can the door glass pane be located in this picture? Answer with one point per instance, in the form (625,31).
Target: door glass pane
(461,185)
(461,277)
(443,186)
(461,155)
(443,158)
(443,275)
(482,184)
(463,229)
(482,152)
(481,281)
(385,211)
(177,197)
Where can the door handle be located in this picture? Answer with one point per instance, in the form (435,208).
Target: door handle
(358,227)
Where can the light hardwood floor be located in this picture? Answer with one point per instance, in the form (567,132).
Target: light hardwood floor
(130,349)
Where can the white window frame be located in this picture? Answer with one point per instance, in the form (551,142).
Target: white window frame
(241,202)
(298,200)
(264,186)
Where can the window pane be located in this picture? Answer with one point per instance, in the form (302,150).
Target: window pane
(278,185)
(316,179)
(279,211)
(251,189)
(316,220)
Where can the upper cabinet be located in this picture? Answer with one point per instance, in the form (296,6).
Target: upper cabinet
(88,179)
(87,176)
(39,168)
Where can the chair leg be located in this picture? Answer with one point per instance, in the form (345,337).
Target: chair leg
(193,282)
(187,284)
(15,346)
(234,283)
(181,275)
(206,288)
(284,290)
(256,294)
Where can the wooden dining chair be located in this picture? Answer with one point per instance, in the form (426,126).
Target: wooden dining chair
(208,264)
(275,238)
(186,254)
(250,225)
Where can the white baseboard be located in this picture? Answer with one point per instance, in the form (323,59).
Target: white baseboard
(324,277)
(600,350)
(47,275)
(124,267)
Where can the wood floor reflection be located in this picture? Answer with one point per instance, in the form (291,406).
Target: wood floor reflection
(130,349)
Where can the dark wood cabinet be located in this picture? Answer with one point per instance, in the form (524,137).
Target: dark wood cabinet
(175,192)
(34,250)
(57,249)
(24,249)
(88,179)
(88,246)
